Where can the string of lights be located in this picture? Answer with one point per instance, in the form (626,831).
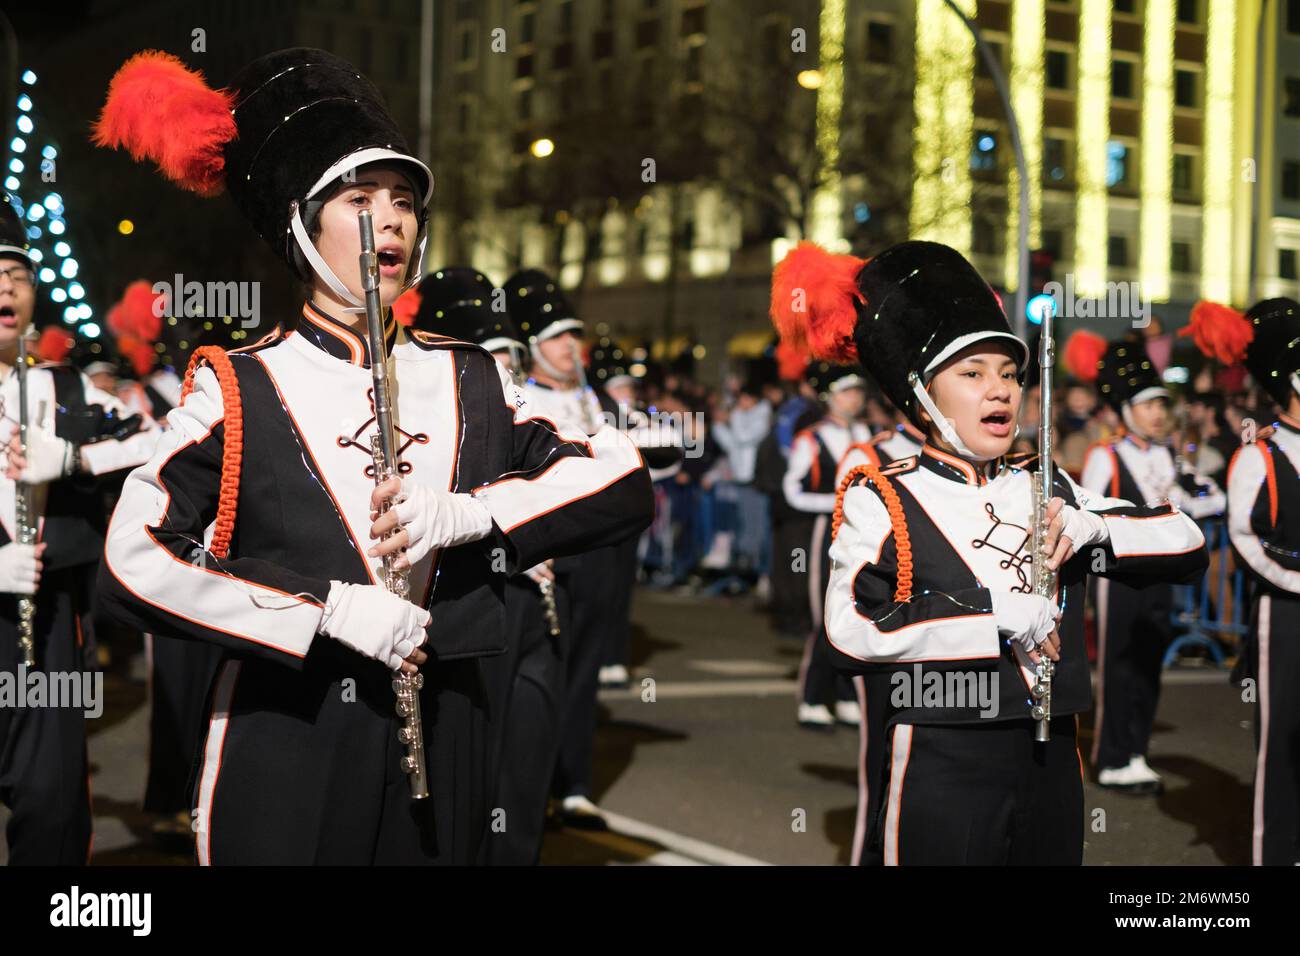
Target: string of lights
(46,220)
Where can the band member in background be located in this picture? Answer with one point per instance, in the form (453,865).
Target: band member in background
(75,432)
(659,439)
(932,567)
(810,487)
(1264,527)
(258,524)
(1134,622)
(525,685)
(556,392)
(891,444)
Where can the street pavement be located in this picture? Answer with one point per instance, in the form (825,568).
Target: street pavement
(701,762)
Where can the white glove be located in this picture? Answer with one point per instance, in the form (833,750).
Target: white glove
(19,568)
(438,519)
(48,457)
(1026,618)
(1082,527)
(541,573)
(374,621)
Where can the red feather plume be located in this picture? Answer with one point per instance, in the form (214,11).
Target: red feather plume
(406,306)
(791,362)
(1083,350)
(813,302)
(54,344)
(139,353)
(1219,331)
(159,109)
(134,315)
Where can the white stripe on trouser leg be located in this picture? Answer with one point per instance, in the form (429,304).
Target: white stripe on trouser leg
(900,751)
(864,782)
(212,753)
(1261,758)
(816,603)
(1099,698)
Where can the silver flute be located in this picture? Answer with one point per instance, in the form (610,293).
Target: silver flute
(1044,577)
(24,515)
(383,448)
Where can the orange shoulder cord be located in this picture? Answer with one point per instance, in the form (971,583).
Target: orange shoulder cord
(902,541)
(233,453)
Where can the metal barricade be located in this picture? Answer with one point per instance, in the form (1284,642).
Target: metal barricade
(1216,606)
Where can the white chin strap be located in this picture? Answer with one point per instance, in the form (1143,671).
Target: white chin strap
(326,274)
(943,424)
(547,367)
(1295,383)
(1126,413)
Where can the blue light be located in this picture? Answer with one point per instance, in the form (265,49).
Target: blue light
(15,165)
(76,291)
(84,311)
(62,249)
(47,274)
(69,269)
(18,144)
(35,254)
(70,314)
(53,202)
(24,102)
(29,77)
(986,144)
(90,330)
(11,183)
(59,295)
(861,212)
(25,124)
(33,232)
(49,152)
(35,211)
(1038,306)
(56,227)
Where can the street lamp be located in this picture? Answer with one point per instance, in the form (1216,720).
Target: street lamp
(541,148)
(809,79)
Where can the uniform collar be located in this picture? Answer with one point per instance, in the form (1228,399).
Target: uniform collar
(958,469)
(339,339)
(1287,423)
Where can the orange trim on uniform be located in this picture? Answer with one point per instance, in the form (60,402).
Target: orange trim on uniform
(351,340)
(1109,449)
(971,476)
(897,521)
(232,451)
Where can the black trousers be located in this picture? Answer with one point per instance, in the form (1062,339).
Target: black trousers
(1276,658)
(1133,631)
(44,778)
(180,673)
(819,682)
(620,612)
(590,581)
(791,530)
(526,698)
(981,794)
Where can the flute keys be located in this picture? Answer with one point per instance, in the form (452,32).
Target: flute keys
(1038,712)
(406,735)
(409,765)
(1039,691)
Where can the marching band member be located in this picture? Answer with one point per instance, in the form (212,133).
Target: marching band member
(525,684)
(810,487)
(1264,527)
(258,525)
(75,432)
(1134,622)
(556,388)
(930,594)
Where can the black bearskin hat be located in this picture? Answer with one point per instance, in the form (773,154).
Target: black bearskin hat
(538,306)
(458,301)
(1125,374)
(1266,339)
(13,235)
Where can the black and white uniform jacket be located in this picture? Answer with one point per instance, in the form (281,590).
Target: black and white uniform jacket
(882,448)
(71,517)
(968,536)
(814,456)
(304,501)
(1135,469)
(569,408)
(1264,508)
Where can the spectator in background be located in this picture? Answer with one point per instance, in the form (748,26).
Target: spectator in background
(739,431)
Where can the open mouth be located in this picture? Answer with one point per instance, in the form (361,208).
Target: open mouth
(8,317)
(391,261)
(998,423)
